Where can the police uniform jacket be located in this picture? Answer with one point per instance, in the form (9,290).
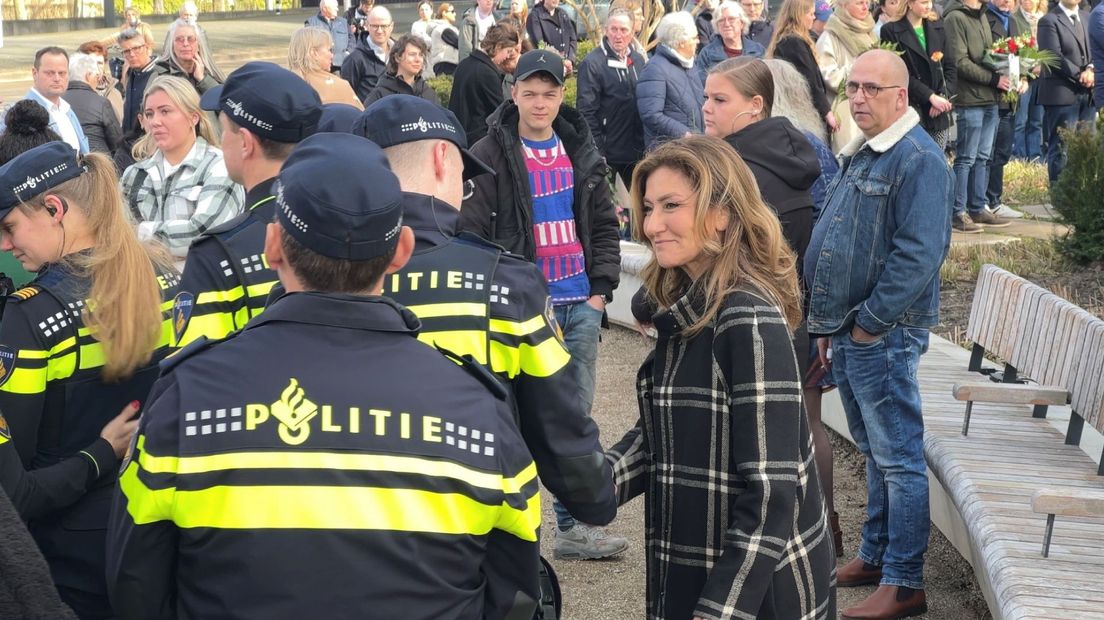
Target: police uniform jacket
(475,299)
(226,280)
(56,402)
(356,473)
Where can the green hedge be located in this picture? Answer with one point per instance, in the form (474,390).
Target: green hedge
(1077,195)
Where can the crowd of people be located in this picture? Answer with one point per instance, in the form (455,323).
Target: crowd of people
(218,355)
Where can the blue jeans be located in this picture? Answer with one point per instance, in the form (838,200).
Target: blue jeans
(977,127)
(881,396)
(1002,152)
(1027,141)
(580,324)
(1056,117)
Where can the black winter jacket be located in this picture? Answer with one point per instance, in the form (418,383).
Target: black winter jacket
(96,116)
(500,207)
(26,590)
(136,82)
(362,69)
(607,100)
(926,76)
(390,84)
(477,92)
(761,32)
(558,31)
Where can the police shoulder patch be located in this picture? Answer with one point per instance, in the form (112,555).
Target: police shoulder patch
(550,318)
(7,363)
(26,293)
(183,304)
(5,432)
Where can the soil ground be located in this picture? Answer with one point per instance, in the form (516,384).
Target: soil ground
(614,589)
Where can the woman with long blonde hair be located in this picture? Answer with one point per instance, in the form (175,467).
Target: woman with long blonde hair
(77,344)
(310,54)
(791,42)
(179,186)
(720,400)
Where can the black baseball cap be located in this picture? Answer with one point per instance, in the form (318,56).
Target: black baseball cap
(540,60)
(337,196)
(268,100)
(36,171)
(338,117)
(398,119)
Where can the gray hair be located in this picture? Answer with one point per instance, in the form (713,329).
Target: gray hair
(80,65)
(332,3)
(732,8)
(621,12)
(675,28)
(791,98)
(201,49)
(129,35)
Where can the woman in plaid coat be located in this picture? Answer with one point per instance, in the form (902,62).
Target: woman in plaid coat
(735,520)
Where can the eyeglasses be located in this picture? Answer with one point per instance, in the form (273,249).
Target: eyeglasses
(133,50)
(728,20)
(379,26)
(185,39)
(869,90)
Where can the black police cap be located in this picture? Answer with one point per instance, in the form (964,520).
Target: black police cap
(337,196)
(268,100)
(36,171)
(398,119)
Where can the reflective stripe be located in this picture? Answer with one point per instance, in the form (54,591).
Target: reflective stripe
(542,360)
(460,342)
(253,290)
(215,325)
(430,311)
(514,328)
(29,354)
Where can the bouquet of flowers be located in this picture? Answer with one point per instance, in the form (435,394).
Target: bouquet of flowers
(1019,58)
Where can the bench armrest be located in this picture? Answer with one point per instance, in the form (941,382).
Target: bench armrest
(1010,393)
(1069,502)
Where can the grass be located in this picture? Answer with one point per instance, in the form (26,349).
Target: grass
(1027,257)
(1025,183)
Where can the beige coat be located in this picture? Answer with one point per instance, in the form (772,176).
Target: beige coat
(835,63)
(333,89)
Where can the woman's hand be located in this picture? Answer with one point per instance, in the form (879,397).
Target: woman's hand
(939,105)
(120,430)
(830,120)
(197,70)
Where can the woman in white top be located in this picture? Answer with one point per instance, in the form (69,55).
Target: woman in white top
(423,26)
(179,186)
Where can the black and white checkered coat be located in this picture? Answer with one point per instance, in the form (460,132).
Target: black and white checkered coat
(735,521)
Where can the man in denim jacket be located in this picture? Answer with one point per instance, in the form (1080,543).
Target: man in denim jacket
(873,273)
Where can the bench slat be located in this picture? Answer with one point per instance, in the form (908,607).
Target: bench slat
(1010,393)
(1069,502)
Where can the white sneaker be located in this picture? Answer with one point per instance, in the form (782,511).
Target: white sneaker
(1007,212)
(587,542)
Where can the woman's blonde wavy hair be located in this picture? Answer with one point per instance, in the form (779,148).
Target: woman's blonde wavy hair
(123,311)
(751,251)
(184,96)
(791,20)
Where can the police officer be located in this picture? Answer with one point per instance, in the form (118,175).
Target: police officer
(79,343)
(350,471)
(475,299)
(264,111)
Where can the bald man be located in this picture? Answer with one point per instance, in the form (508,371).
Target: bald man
(873,269)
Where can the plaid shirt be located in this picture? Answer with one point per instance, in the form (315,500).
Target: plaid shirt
(177,209)
(735,522)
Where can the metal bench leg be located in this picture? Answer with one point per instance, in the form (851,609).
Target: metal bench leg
(1011,375)
(1073,433)
(1047,535)
(1100,467)
(1039,411)
(977,354)
(966,421)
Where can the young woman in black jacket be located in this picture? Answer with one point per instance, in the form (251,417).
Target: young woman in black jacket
(404,72)
(919,36)
(791,42)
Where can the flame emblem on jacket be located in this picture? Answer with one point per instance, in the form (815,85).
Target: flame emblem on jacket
(294,412)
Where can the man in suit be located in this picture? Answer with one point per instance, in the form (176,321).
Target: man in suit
(1096,46)
(1066,90)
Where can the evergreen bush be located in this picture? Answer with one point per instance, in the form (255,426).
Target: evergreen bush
(1078,196)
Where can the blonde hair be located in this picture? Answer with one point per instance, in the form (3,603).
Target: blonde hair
(524,17)
(184,97)
(752,250)
(209,65)
(303,42)
(791,21)
(123,311)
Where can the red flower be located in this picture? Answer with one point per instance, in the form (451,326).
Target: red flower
(1012,46)
(1032,42)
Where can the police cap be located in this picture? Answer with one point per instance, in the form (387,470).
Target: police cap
(36,171)
(337,196)
(339,117)
(268,100)
(398,119)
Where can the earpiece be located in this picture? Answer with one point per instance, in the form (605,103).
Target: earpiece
(52,211)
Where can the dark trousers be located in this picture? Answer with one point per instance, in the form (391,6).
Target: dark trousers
(1002,152)
(1056,117)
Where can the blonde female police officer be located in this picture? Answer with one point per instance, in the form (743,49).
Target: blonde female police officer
(78,343)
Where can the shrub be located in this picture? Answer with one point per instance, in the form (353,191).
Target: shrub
(1077,195)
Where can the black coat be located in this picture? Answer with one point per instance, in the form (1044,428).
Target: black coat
(362,69)
(26,590)
(476,93)
(760,31)
(500,207)
(136,82)
(1060,86)
(96,116)
(558,31)
(607,100)
(926,76)
(704,23)
(390,84)
(800,55)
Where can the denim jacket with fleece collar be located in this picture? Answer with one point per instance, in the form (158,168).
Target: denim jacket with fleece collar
(875,253)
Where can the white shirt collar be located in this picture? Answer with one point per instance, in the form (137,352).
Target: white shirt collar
(62,107)
(1069,12)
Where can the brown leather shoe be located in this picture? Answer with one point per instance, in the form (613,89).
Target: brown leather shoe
(837,534)
(857,573)
(889,603)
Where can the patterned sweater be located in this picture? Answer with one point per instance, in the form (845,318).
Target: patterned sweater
(735,522)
